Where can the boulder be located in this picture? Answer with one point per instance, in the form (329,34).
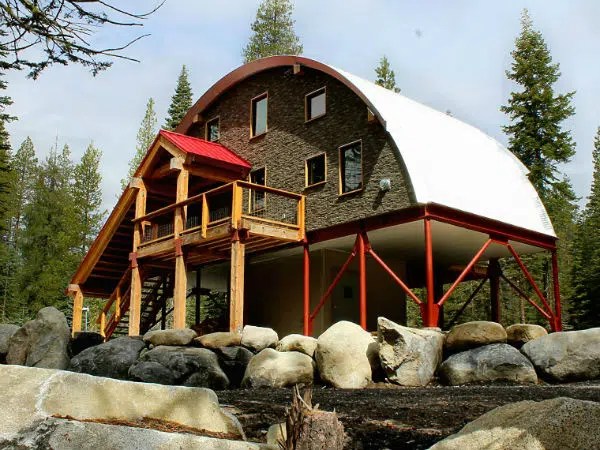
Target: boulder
(83,340)
(111,359)
(178,337)
(298,343)
(556,424)
(234,361)
(277,434)
(271,368)
(409,356)
(6,332)
(42,342)
(188,366)
(346,355)
(28,395)
(258,338)
(495,362)
(219,339)
(564,356)
(520,333)
(474,334)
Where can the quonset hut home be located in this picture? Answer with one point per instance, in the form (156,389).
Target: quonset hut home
(298,195)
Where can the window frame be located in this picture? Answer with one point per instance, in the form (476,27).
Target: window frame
(218,120)
(340,178)
(307,99)
(254,100)
(306,180)
(252,194)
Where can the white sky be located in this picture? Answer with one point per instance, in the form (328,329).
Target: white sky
(446,54)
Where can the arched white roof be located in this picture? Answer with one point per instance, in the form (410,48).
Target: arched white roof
(448,161)
(455,164)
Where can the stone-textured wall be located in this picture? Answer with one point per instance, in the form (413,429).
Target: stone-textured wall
(289,141)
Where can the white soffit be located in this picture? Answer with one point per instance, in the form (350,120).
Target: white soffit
(454,164)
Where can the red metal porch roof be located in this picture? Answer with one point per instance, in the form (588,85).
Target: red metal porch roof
(205,149)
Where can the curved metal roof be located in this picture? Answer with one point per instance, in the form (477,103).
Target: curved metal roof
(448,161)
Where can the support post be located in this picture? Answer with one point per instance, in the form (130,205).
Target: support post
(135,296)
(118,300)
(103,324)
(557,306)
(494,276)
(429,310)
(236,303)
(362,279)
(306,286)
(180,289)
(75,291)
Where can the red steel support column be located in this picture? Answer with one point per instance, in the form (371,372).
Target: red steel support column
(557,309)
(362,279)
(494,276)
(306,290)
(429,314)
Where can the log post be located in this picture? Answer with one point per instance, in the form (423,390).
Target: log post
(135,296)
(180,289)
(236,303)
(75,291)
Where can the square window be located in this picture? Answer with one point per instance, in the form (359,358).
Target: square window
(315,104)
(212,130)
(351,167)
(316,169)
(258,199)
(259,115)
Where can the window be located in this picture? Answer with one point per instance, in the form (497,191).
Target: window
(212,130)
(316,170)
(258,199)
(259,115)
(315,104)
(351,167)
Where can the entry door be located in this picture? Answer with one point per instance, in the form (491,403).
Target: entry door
(345,297)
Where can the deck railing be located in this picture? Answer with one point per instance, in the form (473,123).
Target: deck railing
(231,202)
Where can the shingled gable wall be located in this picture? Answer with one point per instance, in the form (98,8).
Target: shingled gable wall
(289,141)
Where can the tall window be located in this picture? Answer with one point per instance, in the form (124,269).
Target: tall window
(212,130)
(315,104)
(258,199)
(316,170)
(351,167)
(259,115)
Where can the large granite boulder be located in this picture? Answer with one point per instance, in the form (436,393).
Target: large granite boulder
(234,361)
(188,366)
(346,356)
(42,342)
(298,343)
(177,337)
(258,338)
(219,339)
(6,332)
(569,355)
(557,424)
(28,395)
(521,333)
(409,356)
(111,359)
(474,334)
(271,368)
(495,362)
(83,340)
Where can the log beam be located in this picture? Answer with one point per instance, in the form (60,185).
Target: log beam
(236,303)
(180,289)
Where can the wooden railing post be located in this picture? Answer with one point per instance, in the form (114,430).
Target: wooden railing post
(75,291)
(205,215)
(118,299)
(180,289)
(302,217)
(135,300)
(236,207)
(103,324)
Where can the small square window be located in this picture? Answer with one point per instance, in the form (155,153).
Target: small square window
(259,115)
(212,130)
(316,170)
(351,167)
(315,104)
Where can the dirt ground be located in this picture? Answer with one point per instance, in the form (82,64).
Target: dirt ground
(386,417)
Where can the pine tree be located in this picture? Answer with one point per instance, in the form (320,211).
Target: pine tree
(585,273)
(273,32)
(87,197)
(385,75)
(145,137)
(181,101)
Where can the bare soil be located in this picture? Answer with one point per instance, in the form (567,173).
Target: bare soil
(393,417)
